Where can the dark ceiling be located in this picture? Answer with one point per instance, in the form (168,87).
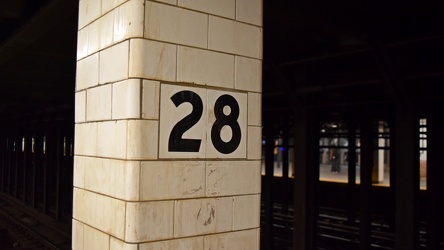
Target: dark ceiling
(37,58)
(328,54)
(361,55)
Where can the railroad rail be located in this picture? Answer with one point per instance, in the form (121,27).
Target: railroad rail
(334,232)
(22,231)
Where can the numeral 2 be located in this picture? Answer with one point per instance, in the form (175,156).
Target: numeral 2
(176,143)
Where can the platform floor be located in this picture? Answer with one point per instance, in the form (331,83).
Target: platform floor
(326,175)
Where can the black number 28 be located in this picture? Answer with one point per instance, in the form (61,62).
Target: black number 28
(177,144)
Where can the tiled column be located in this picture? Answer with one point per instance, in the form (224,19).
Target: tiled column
(168,124)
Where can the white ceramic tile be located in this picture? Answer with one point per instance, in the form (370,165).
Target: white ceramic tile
(254,109)
(234,37)
(153,60)
(233,178)
(203,216)
(224,8)
(106,32)
(129,20)
(94,239)
(98,103)
(115,244)
(87,74)
(249,11)
(79,171)
(247,239)
(172,180)
(150,99)
(101,212)
(142,142)
(80,110)
(254,143)
(82,43)
(108,5)
(191,103)
(96,178)
(131,181)
(114,63)
(115,178)
(187,27)
(126,99)
(258,238)
(149,221)
(205,67)
(89,10)
(111,139)
(227,134)
(248,74)
(247,211)
(261,47)
(93,37)
(194,243)
(85,139)
(173,2)
(77,235)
